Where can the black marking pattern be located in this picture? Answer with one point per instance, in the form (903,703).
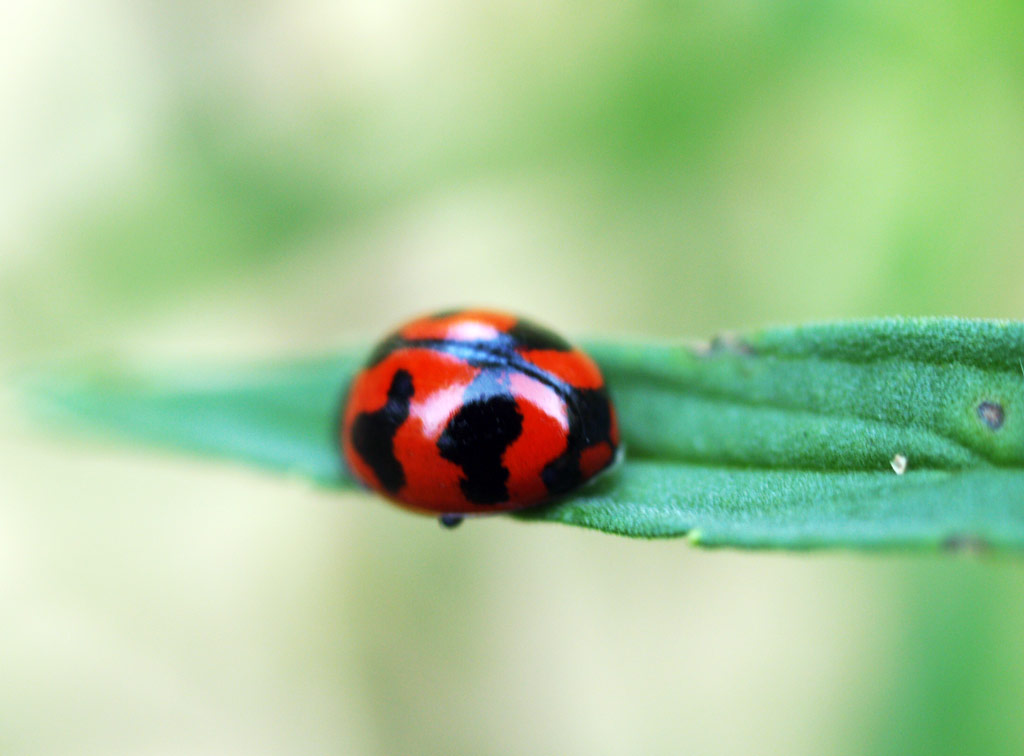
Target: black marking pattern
(498,354)
(523,336)
(527,335)
(489,418)
(373,433)
(590,422)
(478,434)
(390,344)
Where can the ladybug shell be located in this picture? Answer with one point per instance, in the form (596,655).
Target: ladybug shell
(476,411)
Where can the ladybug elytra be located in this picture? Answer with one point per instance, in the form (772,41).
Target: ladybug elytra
(475,411)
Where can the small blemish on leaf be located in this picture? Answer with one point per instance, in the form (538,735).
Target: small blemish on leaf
(727,343)
(965,543)
(699,348)
(899,464)
(991,413)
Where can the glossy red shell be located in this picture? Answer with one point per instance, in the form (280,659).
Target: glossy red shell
(477,411)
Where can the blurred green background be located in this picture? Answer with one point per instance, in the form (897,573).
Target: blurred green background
(251,179)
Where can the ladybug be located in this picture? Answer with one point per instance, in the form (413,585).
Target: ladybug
(475,411)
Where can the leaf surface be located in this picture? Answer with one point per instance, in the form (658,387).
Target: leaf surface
(783,438)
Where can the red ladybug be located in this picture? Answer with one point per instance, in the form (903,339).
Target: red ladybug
(474,411)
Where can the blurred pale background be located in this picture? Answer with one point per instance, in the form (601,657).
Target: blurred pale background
(272,178)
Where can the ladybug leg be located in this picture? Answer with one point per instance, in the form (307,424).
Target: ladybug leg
(450,520)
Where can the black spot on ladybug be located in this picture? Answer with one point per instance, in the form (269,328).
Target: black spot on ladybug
(992,415)
(562,473)
(373,433)
(383,349)
(595,416)
(590,423)
(527,335)
(477,435)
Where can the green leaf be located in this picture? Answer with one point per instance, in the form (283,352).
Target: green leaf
(277,416)
(785,438)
